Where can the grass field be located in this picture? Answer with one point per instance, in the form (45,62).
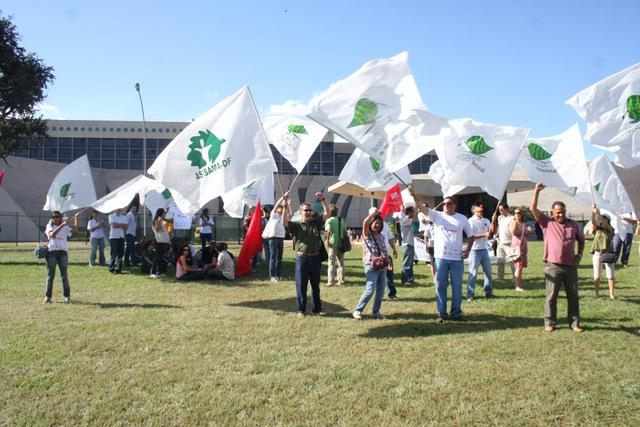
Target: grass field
(131,350)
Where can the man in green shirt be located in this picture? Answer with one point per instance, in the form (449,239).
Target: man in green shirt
(306,243)
(336,229)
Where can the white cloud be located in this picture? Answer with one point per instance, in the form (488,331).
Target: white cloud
(211,94)
(49,111)
(289,108)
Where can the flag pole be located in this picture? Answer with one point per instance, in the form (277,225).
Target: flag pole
(293,182)
(144,157)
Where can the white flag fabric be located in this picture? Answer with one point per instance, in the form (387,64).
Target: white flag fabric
(484,156)
(295,138)
(157,197)
(368,173)
(248,194)
(557,161)
(608,191)
(220,150)
(611,109)
(438,173)
(379,110)
(72,188)
(123,195)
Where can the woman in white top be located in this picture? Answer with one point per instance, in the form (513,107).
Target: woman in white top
(206,224)
(161,246)
(274,233)
(96,230)
(58,232)
(225,268)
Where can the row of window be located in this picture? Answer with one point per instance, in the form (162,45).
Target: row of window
(118,153)
(110,129)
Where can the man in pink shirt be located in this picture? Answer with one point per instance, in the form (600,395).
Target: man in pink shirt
(560,237)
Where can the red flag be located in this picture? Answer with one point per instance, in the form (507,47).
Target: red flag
(252,243)
(1,176)
(392,201)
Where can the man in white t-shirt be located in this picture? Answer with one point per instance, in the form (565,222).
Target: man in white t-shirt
(449,254)
(479,255)
(500,224)
(118,226)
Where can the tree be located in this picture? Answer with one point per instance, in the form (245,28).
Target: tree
(23,81)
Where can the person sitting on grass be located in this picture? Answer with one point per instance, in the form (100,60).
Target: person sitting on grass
(225,268)
(602,251)
(185,270)
(146,256)
(374,247)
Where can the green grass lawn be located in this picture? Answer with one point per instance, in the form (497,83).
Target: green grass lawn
(132,350)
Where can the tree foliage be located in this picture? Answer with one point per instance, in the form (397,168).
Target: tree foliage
(23,81)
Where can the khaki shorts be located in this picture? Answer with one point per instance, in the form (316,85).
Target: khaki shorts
(503,252)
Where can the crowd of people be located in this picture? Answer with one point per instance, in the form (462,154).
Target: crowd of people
(442,232)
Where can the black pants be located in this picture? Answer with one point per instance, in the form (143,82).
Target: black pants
(117,254)
(158,267)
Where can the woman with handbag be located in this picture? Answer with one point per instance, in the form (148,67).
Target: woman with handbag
(58,232)
(376,262)
(518,255)
(602,251)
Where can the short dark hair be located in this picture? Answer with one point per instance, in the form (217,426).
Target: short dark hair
(305,204)
(333,210)
(503,205)
(453,199)
(559,203)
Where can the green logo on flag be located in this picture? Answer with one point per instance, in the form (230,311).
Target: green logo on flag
(365,113)
(537,152)
(64,190)
(375,165)
(633,107)
(166,194)
(477,145)
(199,143)
(597,187)
(297,129)
(249,187)
(206,142)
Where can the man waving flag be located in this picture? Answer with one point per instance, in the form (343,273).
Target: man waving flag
(220,150)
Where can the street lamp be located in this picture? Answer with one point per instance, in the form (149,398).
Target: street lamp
(144,156)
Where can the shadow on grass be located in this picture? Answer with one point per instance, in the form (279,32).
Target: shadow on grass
(290,304)
(126,305)
(42,263)
(475,324)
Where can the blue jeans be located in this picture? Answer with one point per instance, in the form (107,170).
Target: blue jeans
(130,251)
(61,259)
(276,246)
(255,261)
(408,252)
(205,238)
(267,252)
(117,253)
(478,257)
(449,270)
(376,282)
(308,270)
(97,244)
(390,284)
(622,245)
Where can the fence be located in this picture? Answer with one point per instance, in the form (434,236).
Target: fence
(16,227)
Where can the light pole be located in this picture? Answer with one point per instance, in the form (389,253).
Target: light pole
(144,157)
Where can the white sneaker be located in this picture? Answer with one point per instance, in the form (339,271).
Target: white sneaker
(357,315)
(67,299)
(274,279)
(153,276)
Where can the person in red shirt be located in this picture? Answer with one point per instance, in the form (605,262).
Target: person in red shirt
(560,237)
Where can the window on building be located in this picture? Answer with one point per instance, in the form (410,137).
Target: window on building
(122,143)
(122,163)
(135,164)
(106,164)
(108,143)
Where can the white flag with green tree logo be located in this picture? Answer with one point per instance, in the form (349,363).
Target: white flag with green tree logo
(379,110)
(156,196)
(557,161)
(483,155)
(607,189)
(368,173)
(248,194)
(611,109)
(220,150)
(72,188)
(295,138)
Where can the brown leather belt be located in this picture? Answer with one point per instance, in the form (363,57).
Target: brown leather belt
(312,254)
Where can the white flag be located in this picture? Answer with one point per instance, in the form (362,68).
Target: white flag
(123,195)
(607,189)
(295,138)
(557,161)
(378,109)
(368,173)
(438,173)
(249,194)
(156,197)
(484,156)
(220,150)
(72,188)
(611,109)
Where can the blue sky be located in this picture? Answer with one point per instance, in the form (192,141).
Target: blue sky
(502,62)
